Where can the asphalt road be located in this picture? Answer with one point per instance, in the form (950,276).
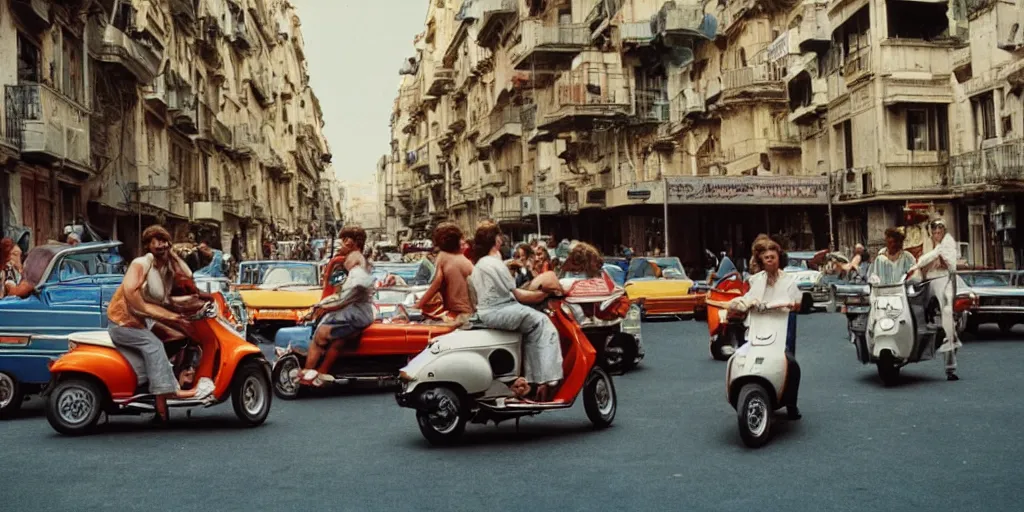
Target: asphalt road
(925,445)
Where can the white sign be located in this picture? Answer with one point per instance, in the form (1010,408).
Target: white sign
(779,48)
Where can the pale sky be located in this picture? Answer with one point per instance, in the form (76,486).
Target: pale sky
(354,49)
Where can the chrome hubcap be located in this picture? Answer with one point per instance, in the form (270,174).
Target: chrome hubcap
(75,405)
(285,382)
(253,395)
(757,416)
(6,390)
(603,394)
(446,418)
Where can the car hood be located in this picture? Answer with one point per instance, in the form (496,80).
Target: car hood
(654,288)
(290,299)
(998,291)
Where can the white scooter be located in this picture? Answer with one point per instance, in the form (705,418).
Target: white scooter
(904,326)
(762,377)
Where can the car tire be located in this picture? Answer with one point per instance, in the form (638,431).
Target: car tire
(74,406)
(448,429)
(11,395)
(806,304)
(624,350)
(754,412)
(251,394)
(599,398)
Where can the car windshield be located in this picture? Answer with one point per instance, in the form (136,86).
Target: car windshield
(670,268)
(274,274)
(213,285)
(414,274)
(80,265)
(985,279)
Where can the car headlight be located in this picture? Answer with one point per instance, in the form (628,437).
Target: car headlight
(634,313)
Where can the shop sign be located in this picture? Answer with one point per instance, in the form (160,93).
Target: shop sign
(754,190)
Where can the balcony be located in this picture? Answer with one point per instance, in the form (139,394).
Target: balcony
(915,72)
(53,128)
(994,168)
(814,32)
(808,97)
(495,16)
(419,159)
(961,59)
(652,106)
(544,205)
(503,124)
(507,208)
(184,9)
(548,47)
(439,79)
(783,135)
(183,107)
(757,82)
(679,25)
(207,211)
(857,66)
(637,33)
(241,208)
(155,94)
(247,141)
(585,96)
(135,57)
(492,178)
(262,88)
(687,103)
(223,137)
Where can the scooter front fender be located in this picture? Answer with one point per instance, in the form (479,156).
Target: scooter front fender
(105,364)
(465,368)
(883,343)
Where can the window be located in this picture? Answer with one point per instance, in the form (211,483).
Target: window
(72,83)
(985,116)
(77,266)
(927,129)
(29,66)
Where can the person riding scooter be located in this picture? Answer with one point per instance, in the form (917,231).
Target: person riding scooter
(770,286)
(502,306)
(344,321)
(940,264)
(142,301)
(892,262)
(451,279)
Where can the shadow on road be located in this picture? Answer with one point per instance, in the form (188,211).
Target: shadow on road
(907,380)
(506,434)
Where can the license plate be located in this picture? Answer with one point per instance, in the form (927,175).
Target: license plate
(1009,302)
(277,315)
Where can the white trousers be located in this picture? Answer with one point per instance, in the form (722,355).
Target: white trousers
(942,288)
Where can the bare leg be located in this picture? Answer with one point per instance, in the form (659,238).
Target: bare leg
(333,353)
(316,349)
(548,282)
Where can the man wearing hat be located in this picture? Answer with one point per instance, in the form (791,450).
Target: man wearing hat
(940,264)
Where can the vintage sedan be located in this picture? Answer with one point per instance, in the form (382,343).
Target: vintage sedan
(73,286)
(660,287)
(417,273)
(991,296)
(277,294)
(814,289)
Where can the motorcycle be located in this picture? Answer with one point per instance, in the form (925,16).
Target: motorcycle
(904,326)
(608,320)
(762,377)
(725,326)
(94,377)
(465,376)
(375,357)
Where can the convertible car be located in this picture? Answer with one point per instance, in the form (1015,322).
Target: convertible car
(277,294)
(660,287)
(73,286)
(991,296)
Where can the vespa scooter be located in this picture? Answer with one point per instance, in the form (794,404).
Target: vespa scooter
(94,377)
(466,376)
(903,327)
(725,326)
(762,377)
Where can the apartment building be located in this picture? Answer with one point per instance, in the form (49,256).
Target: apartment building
(821,122)
(194,114)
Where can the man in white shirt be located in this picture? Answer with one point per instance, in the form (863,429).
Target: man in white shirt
(940,264)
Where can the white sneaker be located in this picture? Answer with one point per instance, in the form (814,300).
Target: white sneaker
(204,388)
(946,347)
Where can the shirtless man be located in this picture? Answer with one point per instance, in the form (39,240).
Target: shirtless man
(450,280)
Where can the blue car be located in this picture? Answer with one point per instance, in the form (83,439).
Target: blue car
(73,287)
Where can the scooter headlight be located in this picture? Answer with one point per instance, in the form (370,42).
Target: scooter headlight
(887,324)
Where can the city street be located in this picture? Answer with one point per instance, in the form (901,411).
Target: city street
(925,445)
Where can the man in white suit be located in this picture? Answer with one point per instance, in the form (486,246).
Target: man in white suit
(940,264)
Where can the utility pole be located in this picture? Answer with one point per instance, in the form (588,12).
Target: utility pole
(664,184)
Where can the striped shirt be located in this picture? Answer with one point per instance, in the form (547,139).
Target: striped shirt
(889,271)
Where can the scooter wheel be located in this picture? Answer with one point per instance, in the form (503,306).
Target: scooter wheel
(250,393)
(445,426)
(754,415)
(620,353)
(74,406)
(285,387)
(599,398)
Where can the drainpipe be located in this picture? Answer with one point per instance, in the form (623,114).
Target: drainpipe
(664,184)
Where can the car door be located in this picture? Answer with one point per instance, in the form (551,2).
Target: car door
(74,300)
